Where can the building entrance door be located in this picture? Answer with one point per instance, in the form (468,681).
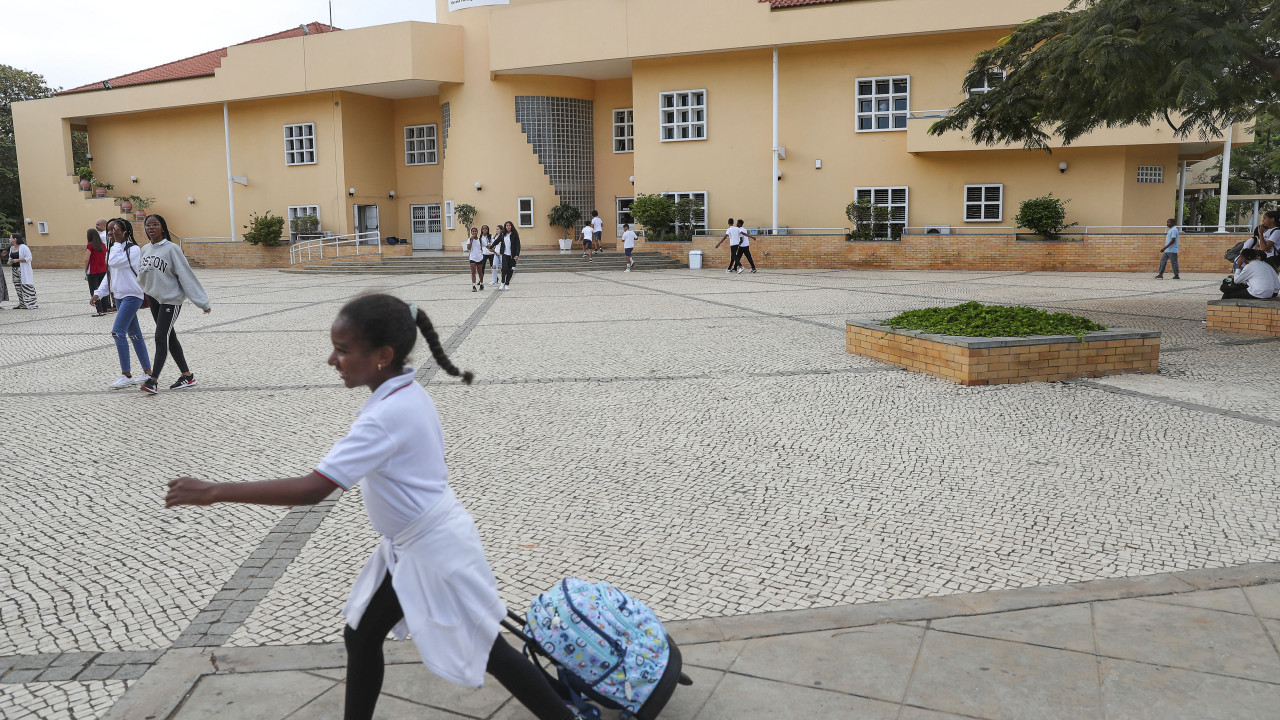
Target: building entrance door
(426,227)
(366,222)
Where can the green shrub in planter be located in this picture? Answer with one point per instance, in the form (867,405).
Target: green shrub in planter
(84,172)
(264,230)
(1045,216)
(564,216)
(656,213)
(305,225)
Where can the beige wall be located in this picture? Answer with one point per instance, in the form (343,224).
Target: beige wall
(613,170)
(414,184)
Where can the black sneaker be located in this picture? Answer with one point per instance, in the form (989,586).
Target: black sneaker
(150,386)
(183,381)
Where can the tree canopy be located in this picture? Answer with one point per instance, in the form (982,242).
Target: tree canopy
(1195,64)
(15,85)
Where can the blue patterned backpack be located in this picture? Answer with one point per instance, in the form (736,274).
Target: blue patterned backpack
(608,647)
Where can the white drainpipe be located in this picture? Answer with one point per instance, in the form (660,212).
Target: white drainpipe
(1226,175)
(775,142)
(231,195)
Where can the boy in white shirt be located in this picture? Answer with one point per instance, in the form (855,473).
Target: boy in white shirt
(744,247)
(732,236)
(588,234)
(597,229)
(628,244)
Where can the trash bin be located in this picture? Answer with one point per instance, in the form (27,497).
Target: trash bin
(695,259)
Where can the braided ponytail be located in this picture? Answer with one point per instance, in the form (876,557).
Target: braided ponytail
(437,350)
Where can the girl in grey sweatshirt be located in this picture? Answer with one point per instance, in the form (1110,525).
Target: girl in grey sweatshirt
(167,280)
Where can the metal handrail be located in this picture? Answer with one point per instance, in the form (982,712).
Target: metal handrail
(1077,230)
(315,248)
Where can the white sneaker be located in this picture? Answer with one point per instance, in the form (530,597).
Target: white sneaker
(123,381)
(139,378)
(739,271)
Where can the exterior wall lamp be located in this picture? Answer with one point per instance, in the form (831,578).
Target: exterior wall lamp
(392,194)
(478,186)
(351,192)
(191,200)
(1062,166)
(133,179)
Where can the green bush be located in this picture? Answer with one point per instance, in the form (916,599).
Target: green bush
(565,216)
(305,225)
(870,222)
(684,213)
(466,214)
(655,212)
(974,319)
(264,230)
(84,172)
(1045,216)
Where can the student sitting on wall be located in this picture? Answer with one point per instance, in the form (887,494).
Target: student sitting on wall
(1253,280)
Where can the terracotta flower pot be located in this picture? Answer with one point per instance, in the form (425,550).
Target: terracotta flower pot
(140,215)
(84,185)
(126,207)
(100,192)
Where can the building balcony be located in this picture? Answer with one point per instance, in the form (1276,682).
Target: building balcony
(920,141)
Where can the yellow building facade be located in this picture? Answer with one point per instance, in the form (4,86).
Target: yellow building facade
(516,107)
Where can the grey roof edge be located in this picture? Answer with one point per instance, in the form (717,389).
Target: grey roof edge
(975,343)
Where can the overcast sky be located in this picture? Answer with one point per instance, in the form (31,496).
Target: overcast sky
(76,43)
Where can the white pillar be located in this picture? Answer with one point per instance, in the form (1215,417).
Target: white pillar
(1226,175)
(231,195)
(775,141)
(1182,189)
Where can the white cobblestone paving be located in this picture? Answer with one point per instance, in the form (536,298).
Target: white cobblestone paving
(701,440)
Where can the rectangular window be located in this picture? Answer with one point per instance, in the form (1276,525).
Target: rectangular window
(1150,173)
(699,216)
(883,103)
(683,115)
(300,144)
(983,203)
(420,145)
(624,131)
(296,211)
(891,222)
(987,83)
(623,207)
(524,212)
(42,227)
(448,214)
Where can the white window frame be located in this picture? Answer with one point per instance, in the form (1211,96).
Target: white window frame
(892,113)
(871,194)
(1150,174)
(621,212)
(699,227)
(421,149)
(987,85)
(624,130)
(42,227)
(681,117)
(984,202)
(300,144)
(448,214)
(521,212)
(296,210)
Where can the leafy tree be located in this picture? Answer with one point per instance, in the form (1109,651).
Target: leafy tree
(1195,64)
(15,85)
(466,214)
(655,212)
(684,215)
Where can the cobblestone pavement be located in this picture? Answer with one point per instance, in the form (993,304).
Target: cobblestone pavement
(702,440)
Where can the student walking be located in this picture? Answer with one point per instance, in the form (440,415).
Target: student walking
(95,266)
(496,247)
(486,241)
(475,255)
(588,237)
(429,577)
(597,230)
(4,283)
(1170,251)
(510,248)
(744,247)
(121,282)
(731,234)
(628,244)
(167,280)
(23,277)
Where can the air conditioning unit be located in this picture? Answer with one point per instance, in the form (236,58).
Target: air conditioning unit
(937,229)
(782,230)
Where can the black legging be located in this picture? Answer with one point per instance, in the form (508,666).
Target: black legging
(745,251)
(166,316)
(733,256)
(365,664)
(95,280)
(508,267)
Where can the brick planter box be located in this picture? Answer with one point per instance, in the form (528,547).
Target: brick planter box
(997,361)
(1248,317)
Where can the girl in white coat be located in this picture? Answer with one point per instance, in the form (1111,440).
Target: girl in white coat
(429,577)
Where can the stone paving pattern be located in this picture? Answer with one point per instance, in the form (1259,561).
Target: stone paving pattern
(702,440)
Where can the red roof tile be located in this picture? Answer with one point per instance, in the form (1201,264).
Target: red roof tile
(775,4)
(202,65)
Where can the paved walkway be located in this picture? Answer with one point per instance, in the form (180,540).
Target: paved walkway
(724,459)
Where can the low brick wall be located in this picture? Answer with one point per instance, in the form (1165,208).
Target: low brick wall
(1247,317)
(1081,253)
(228,254)
(998,361)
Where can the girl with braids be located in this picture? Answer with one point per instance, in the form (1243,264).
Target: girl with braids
(429,576)
(121,282)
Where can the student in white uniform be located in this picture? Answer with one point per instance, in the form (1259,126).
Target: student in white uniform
(597,229)
(588,237)
(475,254)
(628,244)
(429,576)
(732,236)
(744,247)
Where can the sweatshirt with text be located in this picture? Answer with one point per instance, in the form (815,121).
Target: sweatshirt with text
(167,277)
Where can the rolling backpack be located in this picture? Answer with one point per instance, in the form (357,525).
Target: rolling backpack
(608,648)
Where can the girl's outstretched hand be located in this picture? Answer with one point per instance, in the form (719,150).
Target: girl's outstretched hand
(189,491)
